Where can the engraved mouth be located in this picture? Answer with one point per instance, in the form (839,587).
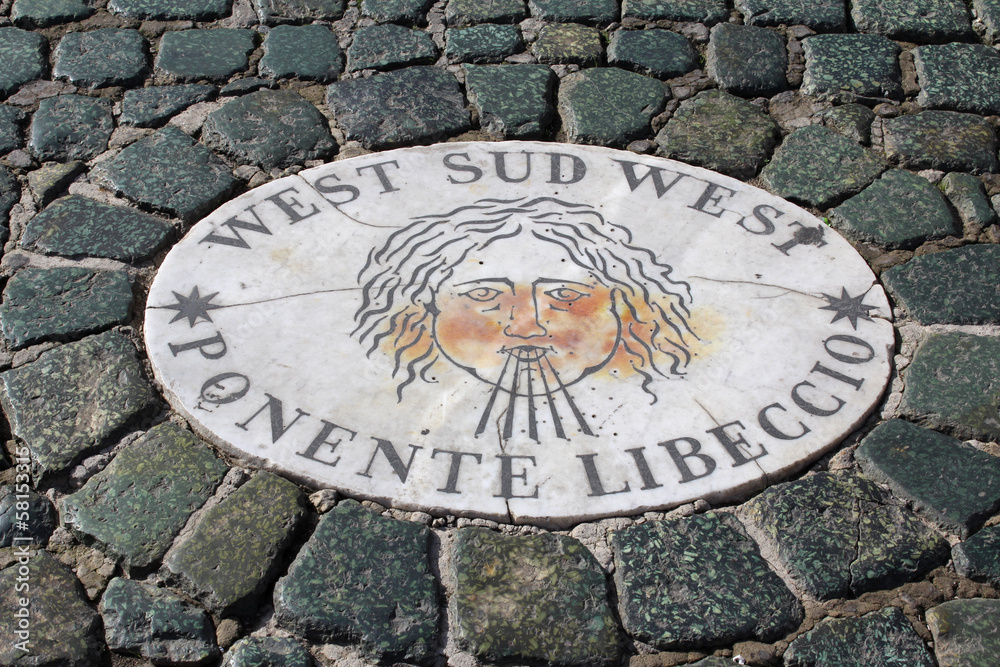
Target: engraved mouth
(527,353)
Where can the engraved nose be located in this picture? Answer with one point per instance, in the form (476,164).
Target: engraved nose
(523,320)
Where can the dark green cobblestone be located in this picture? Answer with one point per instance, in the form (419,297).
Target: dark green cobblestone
(44,13)
(308,52)
(945,140)
(52,180)
(389,46)
(246,85)
(504,586)
(849,67)
(659,53)
(172,10)
(880,639)
(204,54)
(698,582)
(401,11)
(709,12)
(953,384)
(966,632)
(820,15)
(151,107)
(978,557)
(11,137)
(70,127)
(36,528)
(484,43)
(917,20)
(512,101)
(598,12)
(23,56)
(136,506)
(64,301)
(959,77)
(968,197)
(106,57)
(267,652)
(746,60)
(10,193)
(988,12)
(298,11)
(468,12)
(568,44)
(854,121)
(376,583)
(607,105)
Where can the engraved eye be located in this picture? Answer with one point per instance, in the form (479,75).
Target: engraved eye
(565,294)
(482,294)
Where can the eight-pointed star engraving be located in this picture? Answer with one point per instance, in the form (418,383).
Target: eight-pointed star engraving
(848,306)
(193,306)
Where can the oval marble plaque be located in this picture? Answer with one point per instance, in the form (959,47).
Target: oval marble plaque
(532,332)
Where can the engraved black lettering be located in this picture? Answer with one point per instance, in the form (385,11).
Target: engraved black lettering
(829,372)
(392,456)
(709,198)
(556,169)
(277,415)
(202,345)
(766,224)
(451,486)
(235,224)
(735,444)
(772,430)
(325,188)
(653,174)
(449,162)
(225,388)
(501,166)
(648,481)
(507,476)
(812,408)
(383,178)
(321,440)
(850,340)
(594,478)
(291,205)
(681,460)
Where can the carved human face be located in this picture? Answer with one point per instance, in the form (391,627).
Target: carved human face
(523,299)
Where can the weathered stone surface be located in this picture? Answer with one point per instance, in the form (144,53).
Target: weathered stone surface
(105,57)
(505,584)
(484,43)
(607,105)
(388,46)
(672,600)
(267,652)
(157,624)
(966,632)
(10,128)
(23,56)
(70,127)
(720,132)
(821,15)
(967,194)
(978,557)
(747,60)
(168,171)
(269,128)
(844,68)
(988,12)
(467,12)
(568,43)
(598,12)
(25,517)
(308,52)
(709,12)
(74,226)
(10,194)
(172,10)
(880,638)
(943,140)
(44,13)
(63,628)
(73,397)
(839,536)
(917,20)
(655,52)
(250,84)
(52,180)
(854,121)
(137,505)
(959,77)
(205,54)
(953,384)
(298,11)
(513,101)
(235,550)
(958,286)
(376,583)
(39,304)
(899,210)
(151,107)
(409,12)
(416,104)
(953,484)
(818,167)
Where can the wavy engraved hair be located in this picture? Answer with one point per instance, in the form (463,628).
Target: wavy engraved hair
(400,279)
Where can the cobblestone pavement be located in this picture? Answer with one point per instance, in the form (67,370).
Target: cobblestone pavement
(123,121)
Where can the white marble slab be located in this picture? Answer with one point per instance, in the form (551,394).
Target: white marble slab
(674,333)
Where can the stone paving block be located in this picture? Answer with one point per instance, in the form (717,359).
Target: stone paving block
(409,12)
(168,171)
(708,12)
(720,132)
(953,384)
(966,632)
(960,77)
(483,43)
(568,44)
(269,128)
(156,624)
(205,54)
(74,397)
(23,54)
(50,181)
(839,536)
(988,12)
(308,52)
(298,11)
(953,484)
(844,68)
(25,516)
(236,549)
(820,15)
(63,629)
(818,167)
(968,196)
(513,101)
(978,558)
(945,140)
(375,582)
(136,506)
(468,12)
(854,121)
(881,638)
(916,20)
(388,46)
(10,194)
(747,60)
(505,585)
(70,127)
(591,12)
(655,52)
(151,107)
(250,84)
(609,106)
(698,582)
(267,652)
(39,304)
(75,226)
(172,10)
(105,57)
(44,13)
(11,119)
(958,286)
(416,104)
(899,210)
